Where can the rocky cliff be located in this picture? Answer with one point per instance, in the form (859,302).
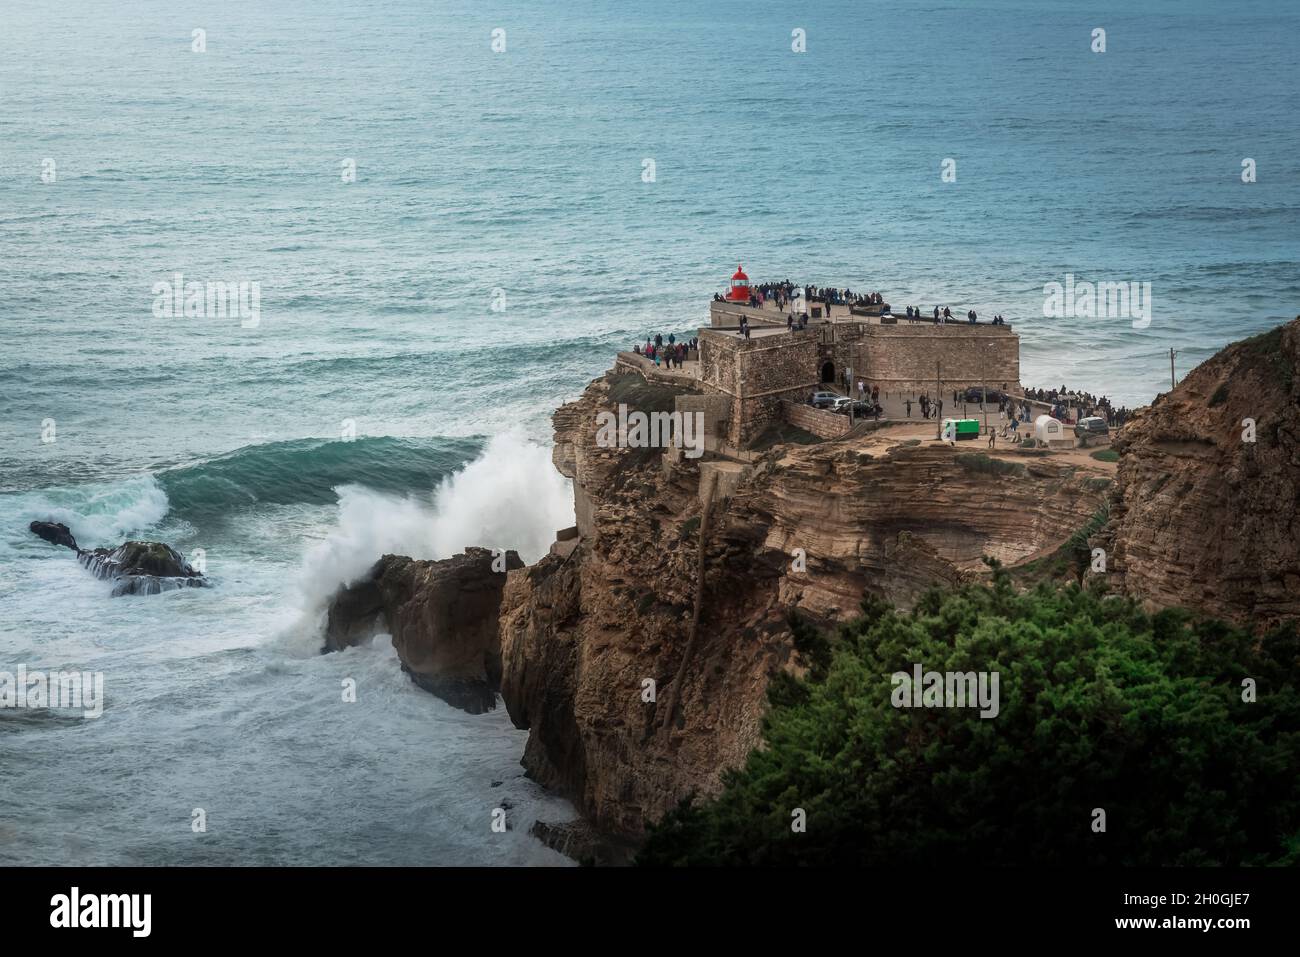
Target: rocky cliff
(593,640)
(638,655)
(442,616)
(1207,501)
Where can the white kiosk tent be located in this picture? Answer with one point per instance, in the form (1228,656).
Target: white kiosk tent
(1051,433)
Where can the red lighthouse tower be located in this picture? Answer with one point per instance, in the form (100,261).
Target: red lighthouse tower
(739,291)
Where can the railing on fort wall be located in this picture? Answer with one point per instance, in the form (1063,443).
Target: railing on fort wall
(631,362)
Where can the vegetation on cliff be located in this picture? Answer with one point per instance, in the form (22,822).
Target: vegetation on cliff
(1101,707)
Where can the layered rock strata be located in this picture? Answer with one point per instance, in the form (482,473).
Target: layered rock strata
(592,641)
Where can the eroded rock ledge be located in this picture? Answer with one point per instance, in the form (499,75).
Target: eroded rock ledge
(442,616)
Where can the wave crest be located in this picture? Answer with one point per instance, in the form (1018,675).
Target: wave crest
(96,513)
(511,497)
(309,470)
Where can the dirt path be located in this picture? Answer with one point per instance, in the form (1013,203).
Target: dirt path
(925,430)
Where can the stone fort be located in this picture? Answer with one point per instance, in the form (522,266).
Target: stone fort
(743,383)
(775,365)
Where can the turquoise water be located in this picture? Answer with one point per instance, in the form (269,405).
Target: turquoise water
(483,175)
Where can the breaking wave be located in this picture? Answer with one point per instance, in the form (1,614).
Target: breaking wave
(309,470)
(97,513)
(510,497)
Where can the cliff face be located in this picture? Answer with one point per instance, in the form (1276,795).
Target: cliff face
(443,619)
(593,641)
(590,645)
(1203,517)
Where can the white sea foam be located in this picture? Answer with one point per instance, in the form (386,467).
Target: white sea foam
(96,514)
(510,497)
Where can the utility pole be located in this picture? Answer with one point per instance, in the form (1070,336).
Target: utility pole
(1172,383)
(984,395)
(938,391)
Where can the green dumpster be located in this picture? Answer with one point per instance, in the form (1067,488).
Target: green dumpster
(960,429)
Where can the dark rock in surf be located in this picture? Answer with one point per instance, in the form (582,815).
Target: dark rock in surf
(581,842)
(55,533)
(141,568)
(134,568)
(442,616)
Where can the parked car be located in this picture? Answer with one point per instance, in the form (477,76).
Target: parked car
(1090,426)
(841,404)
(823,400)
(862,408)
(975,393)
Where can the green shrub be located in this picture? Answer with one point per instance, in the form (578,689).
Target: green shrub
(1101,706)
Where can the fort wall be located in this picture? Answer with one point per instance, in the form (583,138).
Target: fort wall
(716,410)
(910,356)
(776,365)
(827,425)
(757,374)
(727,315)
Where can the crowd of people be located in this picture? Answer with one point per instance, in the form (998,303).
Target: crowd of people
(1015,410)
(843,297)
(1087,404)
(779,292)
(783,295)
(930,408)
(942,314)
(669,352)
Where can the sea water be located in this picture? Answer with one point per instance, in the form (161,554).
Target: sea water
(451,229)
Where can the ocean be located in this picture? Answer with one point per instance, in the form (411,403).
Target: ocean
(448,241)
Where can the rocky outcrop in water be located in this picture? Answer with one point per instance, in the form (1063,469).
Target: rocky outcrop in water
(1208,493)
(134,568)
(56,533)
(594,639)
(442,616)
